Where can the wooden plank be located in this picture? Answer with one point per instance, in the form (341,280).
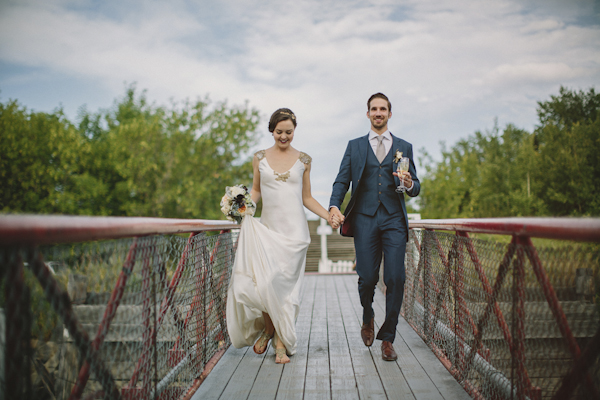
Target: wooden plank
(317,385)
(291,385)
(267,381)
(331,360)
(219,377)
(439,375)
(417,379)
(343,382)
(243,378)
(391,373)
(430,365)
(270,374)
(392,379)
(368,383)
(248,375)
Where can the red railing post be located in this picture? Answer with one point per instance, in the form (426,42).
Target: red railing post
(486,284)
(203,265)
(109,314)
(147,338)
(426,280)
(18,332)
(200,306)
(579,371)
(518,354)
(556,308)
(61,303)
(165,305)
(441,291)
(461,307)
(493,295)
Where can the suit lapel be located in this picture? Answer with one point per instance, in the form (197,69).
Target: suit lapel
(362,152)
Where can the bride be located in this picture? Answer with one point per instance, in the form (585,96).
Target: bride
(264,293)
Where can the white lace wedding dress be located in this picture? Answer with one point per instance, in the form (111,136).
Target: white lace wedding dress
(270,259)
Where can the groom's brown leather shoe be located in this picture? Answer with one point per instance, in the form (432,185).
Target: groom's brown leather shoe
(367,332)
(387,351)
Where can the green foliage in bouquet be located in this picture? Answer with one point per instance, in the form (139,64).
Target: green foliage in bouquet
(237,203)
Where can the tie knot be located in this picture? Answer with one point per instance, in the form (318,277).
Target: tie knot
(380,138)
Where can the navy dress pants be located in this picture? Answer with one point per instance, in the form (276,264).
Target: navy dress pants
(373,235)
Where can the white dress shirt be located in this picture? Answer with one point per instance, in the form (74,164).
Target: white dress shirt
(387,141)
(387,144)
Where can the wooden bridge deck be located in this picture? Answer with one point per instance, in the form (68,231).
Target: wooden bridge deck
(332,362)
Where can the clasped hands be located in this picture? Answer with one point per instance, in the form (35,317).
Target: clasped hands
(335,217)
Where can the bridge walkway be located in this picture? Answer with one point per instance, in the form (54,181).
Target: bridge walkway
(332,362)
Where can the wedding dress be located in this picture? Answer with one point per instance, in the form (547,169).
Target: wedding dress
(270,259)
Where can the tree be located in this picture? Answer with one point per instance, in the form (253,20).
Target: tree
(568,147)
(134,159)
(481,176)
(554,171)
(39,160)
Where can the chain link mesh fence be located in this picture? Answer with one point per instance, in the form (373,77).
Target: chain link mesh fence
(508,320)
(130,318)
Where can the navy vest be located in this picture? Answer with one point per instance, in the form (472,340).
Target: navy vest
(377,186)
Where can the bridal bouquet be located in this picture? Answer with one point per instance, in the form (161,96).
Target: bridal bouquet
(237,203)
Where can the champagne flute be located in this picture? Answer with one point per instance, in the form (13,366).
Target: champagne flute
(402,167)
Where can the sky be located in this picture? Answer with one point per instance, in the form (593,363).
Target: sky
(449,67)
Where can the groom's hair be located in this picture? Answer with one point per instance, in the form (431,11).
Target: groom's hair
(281,115)
(379,96)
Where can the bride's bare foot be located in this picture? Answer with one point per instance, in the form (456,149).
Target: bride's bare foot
(281,353)
(281,357)
(263,340)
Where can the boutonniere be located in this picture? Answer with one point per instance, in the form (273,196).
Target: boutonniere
(398,156)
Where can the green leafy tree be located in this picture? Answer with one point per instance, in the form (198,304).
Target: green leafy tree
(475,178)
(39,160)
(568,147)
(134,159)
(554,171)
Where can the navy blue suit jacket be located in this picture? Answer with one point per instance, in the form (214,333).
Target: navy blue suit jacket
(351,170)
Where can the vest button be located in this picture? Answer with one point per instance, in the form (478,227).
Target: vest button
(379,192)
(380,184)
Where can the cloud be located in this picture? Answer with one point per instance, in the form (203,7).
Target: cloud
(534,72)
(449,67)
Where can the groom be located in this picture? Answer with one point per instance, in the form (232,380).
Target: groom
(376,217)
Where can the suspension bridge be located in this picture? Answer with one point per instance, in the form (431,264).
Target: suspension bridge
(134,308)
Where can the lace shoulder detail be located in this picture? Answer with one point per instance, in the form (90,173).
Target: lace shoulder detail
(260,154)
(305,158)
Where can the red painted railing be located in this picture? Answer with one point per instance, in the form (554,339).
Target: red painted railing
(22,241)
(455,285)
(449,301)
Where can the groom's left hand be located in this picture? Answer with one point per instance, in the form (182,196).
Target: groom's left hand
(406,176)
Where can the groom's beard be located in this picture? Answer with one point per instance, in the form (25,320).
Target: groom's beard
(379,123)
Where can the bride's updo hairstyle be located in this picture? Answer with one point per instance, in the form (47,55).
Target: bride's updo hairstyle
(281,115)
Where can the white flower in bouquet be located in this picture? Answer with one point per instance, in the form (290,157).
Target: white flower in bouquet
(226,209)
(237,203)
(225,200)
(236,191)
